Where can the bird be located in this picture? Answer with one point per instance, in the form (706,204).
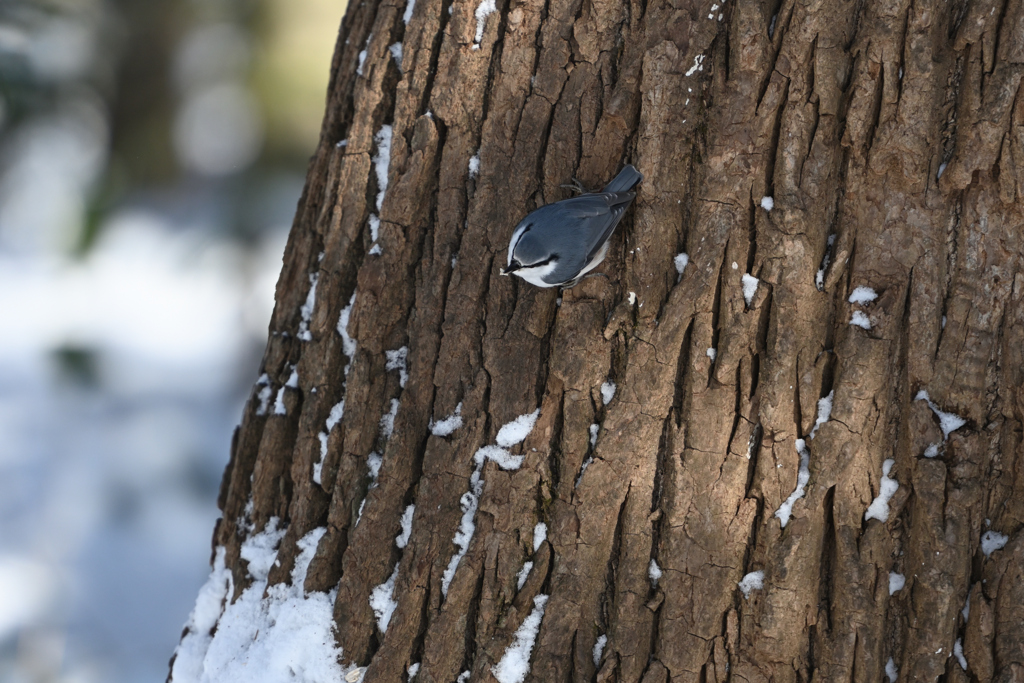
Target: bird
(558,244)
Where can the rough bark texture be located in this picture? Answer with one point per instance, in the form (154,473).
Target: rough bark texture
(844,112)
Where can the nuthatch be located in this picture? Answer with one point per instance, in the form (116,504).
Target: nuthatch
(556,245)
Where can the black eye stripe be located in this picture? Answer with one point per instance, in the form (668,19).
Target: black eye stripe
(549,259)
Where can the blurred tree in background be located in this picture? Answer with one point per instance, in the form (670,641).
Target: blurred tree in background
(151,156)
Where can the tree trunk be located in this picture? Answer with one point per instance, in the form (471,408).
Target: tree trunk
(756,399)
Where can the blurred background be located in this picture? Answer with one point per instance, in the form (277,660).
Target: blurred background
(151,156)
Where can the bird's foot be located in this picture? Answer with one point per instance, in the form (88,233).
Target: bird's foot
(576,186)
(581,278)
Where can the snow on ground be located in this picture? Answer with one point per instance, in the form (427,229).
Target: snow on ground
(992,541)
(879,508)
(515,663)
(286,636)
(449,424)
(896,582)
(948,422)
(754,581)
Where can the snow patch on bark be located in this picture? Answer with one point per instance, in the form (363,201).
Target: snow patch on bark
(785,510)
(607,392)
(306,311)
(515,663)
(992,541)
(948,422)
(653,573)
(862,295)
(398,360)
(449,424)
(750,284)
(602,640)
(879,508)
(337,412)
(754,581)
(382,600)
(540,534)
(485,9)
(517,430)
(861,320)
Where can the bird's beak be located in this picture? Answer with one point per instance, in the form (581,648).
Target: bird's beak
(512,267)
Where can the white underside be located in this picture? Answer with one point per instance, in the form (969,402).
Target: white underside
(596,262)
(535,276)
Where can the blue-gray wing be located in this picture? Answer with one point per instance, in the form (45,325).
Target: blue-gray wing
(594,217)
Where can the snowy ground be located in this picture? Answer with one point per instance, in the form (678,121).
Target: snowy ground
(121,379)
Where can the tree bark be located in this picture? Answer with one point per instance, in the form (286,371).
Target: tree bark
(890,135)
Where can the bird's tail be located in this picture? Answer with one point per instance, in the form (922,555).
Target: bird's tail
(626,180)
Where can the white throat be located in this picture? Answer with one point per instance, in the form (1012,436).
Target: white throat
(535,274)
